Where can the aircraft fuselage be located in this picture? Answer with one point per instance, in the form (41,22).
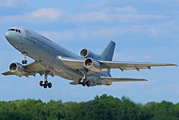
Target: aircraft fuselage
(44,51)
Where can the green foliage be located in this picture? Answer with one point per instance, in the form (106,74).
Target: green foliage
(103,107)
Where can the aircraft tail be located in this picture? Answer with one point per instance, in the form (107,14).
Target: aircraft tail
(107,53)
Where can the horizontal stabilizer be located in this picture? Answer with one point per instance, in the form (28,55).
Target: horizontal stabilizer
(74,83)
(8,73)
(112,79)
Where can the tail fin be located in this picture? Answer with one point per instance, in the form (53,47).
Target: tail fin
(107,53)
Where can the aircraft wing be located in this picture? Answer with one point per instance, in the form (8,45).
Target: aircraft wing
(112,79)
(30,69)
(79,64)
(36,67)
(133,66)
(73,63)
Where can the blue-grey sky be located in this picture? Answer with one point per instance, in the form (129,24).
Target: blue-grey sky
(144,31)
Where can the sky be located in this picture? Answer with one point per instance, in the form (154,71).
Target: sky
(144,31)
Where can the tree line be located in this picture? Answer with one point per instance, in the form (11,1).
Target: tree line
(104,107)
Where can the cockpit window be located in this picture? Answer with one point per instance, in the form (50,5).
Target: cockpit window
(15,30)
(12,29)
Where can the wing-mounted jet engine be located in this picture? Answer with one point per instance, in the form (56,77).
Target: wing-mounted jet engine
(93,65)
(17,69)
(31,69)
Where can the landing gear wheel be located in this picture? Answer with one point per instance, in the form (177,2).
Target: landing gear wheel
(49,85)
(45,86)
(41,83)
(46,83)
(84,82)
(24,61)
(79,81)
(88,83)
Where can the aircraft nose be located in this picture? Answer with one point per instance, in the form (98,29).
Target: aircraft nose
(7,35)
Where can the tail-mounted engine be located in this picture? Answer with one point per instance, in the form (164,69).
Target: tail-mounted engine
(85,53)
(17,69)
(93,65)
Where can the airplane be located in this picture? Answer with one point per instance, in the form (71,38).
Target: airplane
(88,69)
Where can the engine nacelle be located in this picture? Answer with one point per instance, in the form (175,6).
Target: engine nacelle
(17,69)
(85,53)
(93,65)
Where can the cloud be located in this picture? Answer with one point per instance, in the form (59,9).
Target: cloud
(162,1)
(119,86)
(169,87)
(5,86)
(42,15)
(146,29)
(108,2)
(50,14)
(156,31)
(149,30)
(126,9)
(72,91)
(89,17)
(131,57)
(64,35)
(54,15)
(8,3)
(90,7)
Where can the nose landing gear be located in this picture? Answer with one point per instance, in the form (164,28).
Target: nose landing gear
(24,61)
(45,84)
(25,56)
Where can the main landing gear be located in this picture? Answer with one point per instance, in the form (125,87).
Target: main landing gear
(45,84)
(84,82)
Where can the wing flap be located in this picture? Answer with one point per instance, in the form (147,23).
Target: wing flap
(112,79)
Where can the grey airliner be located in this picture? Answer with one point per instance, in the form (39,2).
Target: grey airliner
(88,69)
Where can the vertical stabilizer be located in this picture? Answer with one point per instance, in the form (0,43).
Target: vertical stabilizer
(107,53)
